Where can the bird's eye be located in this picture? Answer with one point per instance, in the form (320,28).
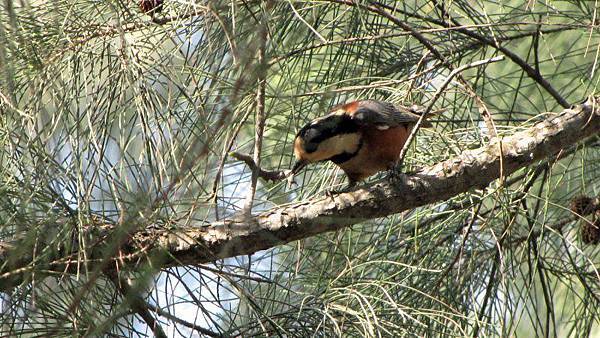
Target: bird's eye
(310,134)
(311,139)
(311,147)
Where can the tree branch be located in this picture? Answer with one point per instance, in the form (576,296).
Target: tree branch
(194,245)
(269,175)
(260,117)
(137,304)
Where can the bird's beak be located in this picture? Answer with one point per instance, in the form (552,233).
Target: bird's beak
(297,167)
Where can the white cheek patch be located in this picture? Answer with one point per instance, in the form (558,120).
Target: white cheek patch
(383,127)
(336,145)
(348,142)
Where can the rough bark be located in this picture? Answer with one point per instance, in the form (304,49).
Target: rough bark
(472,169)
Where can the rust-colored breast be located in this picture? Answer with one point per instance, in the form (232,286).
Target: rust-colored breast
(380,151)
(385,145)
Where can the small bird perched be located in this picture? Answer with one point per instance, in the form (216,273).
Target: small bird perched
(361,137)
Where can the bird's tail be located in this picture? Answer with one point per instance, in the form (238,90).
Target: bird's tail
(419,110)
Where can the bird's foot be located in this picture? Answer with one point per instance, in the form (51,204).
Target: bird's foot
(395,172)
(331,192)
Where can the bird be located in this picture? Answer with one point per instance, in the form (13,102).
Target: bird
(361,137)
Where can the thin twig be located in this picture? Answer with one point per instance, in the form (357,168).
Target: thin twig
(228,146)
(436,96)
(180,321)
(270,175)
(558,226)
(474,216)
(260,117)
(432,30)
(430,46)
(111,30)
(537,77)
(137,303)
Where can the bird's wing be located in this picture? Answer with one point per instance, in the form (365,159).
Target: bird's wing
(384,115)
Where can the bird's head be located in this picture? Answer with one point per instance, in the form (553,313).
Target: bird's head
(325,138)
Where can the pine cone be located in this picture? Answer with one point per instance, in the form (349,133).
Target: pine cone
(151,6)
(590,232)
(583,205)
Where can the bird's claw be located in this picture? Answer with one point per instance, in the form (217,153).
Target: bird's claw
(395,172)
(331,193)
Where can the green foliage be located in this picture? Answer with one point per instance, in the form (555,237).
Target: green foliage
(111,114)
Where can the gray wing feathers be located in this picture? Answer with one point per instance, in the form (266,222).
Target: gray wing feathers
(384,114)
